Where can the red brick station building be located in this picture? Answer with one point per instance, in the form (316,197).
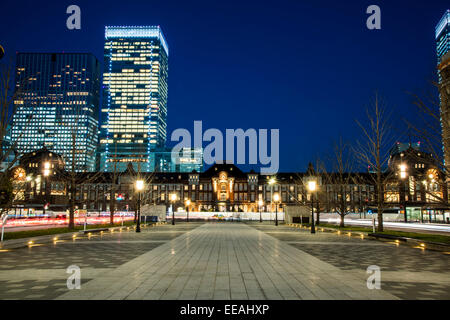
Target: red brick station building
(40,181)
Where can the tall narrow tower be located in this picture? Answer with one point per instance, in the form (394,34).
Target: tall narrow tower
(135,97)
(443,55)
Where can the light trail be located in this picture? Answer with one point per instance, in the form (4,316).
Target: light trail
(32,222)
(398,225)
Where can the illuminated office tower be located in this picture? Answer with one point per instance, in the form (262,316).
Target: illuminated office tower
(443,55)
(57,100)
(135,97)
(443,36)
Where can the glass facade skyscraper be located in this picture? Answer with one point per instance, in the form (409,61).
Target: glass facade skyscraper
(186,160)
(57,100)
(443,52)
(443,36)
(134,97)
(189,159)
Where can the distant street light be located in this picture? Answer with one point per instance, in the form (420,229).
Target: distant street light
(312,187)
(188,203)
(139,187)
(272,181)
(173,198)
(45,173)
(276,199)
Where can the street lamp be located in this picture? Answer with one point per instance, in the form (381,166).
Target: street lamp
(431,188)
(272,181)
(403,176)
(260,204)
(312,187)
(188,203)
(139,187)
(45,173)
(276,199)
(173,198)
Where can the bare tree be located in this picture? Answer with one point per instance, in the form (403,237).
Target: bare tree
(372,150)
(113,190)
(428,128)
(73,121)
(341,178)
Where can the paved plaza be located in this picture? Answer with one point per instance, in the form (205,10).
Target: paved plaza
(206,261)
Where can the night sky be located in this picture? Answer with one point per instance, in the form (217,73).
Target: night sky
(308,68)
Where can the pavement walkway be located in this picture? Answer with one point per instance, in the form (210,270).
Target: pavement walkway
(226,261)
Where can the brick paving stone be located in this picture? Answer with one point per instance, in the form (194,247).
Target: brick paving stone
(227,261)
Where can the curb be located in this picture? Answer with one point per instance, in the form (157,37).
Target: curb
(361,234)
(54,238)
(415,243)
(410,242)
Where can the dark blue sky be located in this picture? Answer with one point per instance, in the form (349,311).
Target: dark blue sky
(305,67)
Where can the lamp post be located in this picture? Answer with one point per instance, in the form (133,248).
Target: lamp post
(403,176)
(312,187)
(188,203)
(45,173)
(139,187)
(173,198)
(272,181)
(276,199)
(431,188)
(260,204)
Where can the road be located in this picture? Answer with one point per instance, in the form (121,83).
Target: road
(442,229)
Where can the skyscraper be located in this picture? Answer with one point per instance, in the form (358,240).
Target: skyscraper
(444,95)
(57,100)
(135,97)
(443,36)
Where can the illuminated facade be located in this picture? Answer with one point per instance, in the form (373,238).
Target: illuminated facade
(443,36)
(443,52)
(225,188)
(189,159)
(57,106)
(135,97)
(444,94)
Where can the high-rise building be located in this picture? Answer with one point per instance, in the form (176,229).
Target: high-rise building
(443,51)
(444,95)
(57,100)
(135,97)
(443,36)
(188,160)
